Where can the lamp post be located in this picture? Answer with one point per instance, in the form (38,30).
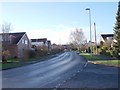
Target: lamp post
(88,9)
(95,38)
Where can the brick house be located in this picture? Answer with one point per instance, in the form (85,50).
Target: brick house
(17,44)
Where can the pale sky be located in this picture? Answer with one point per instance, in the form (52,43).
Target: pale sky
(55,20)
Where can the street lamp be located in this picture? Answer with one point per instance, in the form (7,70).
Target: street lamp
(95,38)
(90,25)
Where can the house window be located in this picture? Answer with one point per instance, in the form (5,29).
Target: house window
(23,41)
(26,42)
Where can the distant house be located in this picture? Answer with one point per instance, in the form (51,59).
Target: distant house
(107,39)
(39,42)
(42,42)
(17,43)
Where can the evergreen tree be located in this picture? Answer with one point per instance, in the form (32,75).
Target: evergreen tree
(117,33)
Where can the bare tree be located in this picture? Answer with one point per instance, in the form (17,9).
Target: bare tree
(77,38)
(6,27)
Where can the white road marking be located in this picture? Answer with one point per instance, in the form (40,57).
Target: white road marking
(85,64)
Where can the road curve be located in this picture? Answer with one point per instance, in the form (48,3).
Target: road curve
(45,74)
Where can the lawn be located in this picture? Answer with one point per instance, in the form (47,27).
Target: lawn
(9,65)
(89,56)
(13,63)
(97,60)
(109,62)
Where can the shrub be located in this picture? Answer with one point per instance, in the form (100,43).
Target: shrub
(40,52)
(115,54)
(103,52)
(104,48)
(5,55)
(29,54)
(106,52)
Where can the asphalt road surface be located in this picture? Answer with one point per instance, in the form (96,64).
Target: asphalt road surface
(41,74)
(94,77)
(68,70)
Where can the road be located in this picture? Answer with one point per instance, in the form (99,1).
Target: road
(68,70)
(96,77)
(41,74)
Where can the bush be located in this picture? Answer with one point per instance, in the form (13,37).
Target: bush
(104,48)
(40,52)
(5,55)
(103,52)
(29,54)
(115,54)
(106,52)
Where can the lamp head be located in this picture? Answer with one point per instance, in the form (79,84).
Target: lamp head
(87,9)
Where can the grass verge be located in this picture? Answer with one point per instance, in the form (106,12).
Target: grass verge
(89,56)
(9,65)
(13,63)
(109,62)
(97,60)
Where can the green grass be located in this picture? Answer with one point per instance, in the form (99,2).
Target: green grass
(9,65)
(13,60)
(97,60)
(13,63)
(109,62)
(89,57)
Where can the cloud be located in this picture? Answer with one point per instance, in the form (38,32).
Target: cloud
(58,34)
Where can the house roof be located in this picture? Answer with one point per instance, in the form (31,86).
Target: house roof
(107,35)
(17,36)
(39,40)
(49,41)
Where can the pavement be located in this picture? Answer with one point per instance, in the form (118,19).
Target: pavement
(68,70)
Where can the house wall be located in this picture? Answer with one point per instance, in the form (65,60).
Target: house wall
(37,43)
(23,45)
(108,41)
(41,45)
